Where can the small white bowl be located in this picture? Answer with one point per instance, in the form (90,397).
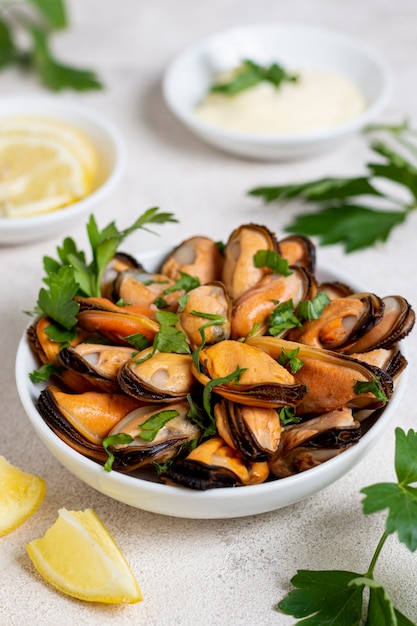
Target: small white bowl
(186,503)
(188,78)
(111,155)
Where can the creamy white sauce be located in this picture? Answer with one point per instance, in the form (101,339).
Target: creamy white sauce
(318,100)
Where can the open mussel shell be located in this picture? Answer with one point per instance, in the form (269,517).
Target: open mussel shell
(121,262)
(157,376)
(328,434)
(83,420)
(254,431)
(252,309)
(329,378)
(239,271)
(298,250)
(210,299)
(116,323)
(99,364)
(397,321)
(197,256)
(262,382)
(144,291)
(342,322)
(164,446)
(214,464)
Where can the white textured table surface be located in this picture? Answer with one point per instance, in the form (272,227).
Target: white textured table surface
(228,572)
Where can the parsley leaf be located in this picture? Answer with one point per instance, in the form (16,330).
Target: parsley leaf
(113,440)
(45,372)
(400,498)
(327,596)
(150,428)
(283,318)
(234,376)
(72,275)
(57,302)
(53,11)
(185,282)
(287,416)
(373,386)
(312,309)
(205,421)
(291,359)
(169,338)
(346,210)
(250,74)
(272,260)
(39,23)
(8,51)
(336,597)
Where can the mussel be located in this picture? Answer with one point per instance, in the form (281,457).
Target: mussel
(259,381)
(153,444)
(214,464)
(239,270)
(197,256)
(157,376)
(329,378)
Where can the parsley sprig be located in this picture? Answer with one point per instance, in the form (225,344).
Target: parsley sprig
(249,74)
(71,274)
(357,212)
(337,597)
(36,21)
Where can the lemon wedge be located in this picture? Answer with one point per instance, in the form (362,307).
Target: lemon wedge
(78,556)
(45,165)
(20,495)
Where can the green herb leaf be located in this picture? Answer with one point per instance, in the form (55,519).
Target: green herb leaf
(250,74)
(287,416)
(356,227)
(327,596)
(138,341)
(150,428)
(290,359)
(8,51)
(55,75)
(113,440)
(321,190)
(45,372)
(401,498)
(406,456)
(282,318)
(185,283)
(57,302)
(53,11)
(373,386)
(312,309)
(234,376)
(169,338)
(380,608)
(347,211)
(200,417)
(60,334)
(272,260)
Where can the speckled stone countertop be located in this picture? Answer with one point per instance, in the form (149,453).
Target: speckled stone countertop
(214,572)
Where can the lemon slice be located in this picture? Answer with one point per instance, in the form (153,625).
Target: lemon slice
(44,165)
(78,556)
(20,495)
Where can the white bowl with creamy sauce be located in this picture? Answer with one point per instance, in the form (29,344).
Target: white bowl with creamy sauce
(102,136)
(342,85)
(141,490)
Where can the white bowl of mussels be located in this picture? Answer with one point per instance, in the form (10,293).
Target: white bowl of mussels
(221,405)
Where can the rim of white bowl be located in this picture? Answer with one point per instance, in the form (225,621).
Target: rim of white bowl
(187,116)
(116,478)
(46,106)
